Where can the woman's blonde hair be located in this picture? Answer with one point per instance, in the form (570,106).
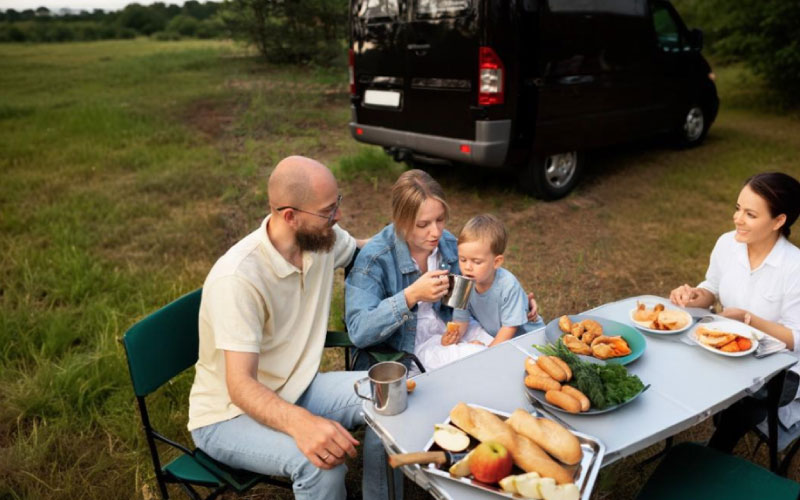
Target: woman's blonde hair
(409,192)
(488,228)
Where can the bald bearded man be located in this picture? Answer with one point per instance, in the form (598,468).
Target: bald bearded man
(258,401)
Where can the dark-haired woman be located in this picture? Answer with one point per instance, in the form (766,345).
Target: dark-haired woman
(755,274)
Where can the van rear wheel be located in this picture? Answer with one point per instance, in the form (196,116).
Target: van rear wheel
(550,177)
(694,127)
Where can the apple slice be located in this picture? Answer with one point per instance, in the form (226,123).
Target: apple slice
(561,492)
(450,438)
(530,485)
(507,484)
(529,482)
(461,468)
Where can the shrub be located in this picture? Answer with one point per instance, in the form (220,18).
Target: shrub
(289,32)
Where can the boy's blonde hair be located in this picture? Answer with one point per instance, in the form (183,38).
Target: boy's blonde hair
(409,192)
(485,227)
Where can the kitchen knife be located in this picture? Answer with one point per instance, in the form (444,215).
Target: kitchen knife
(441,458)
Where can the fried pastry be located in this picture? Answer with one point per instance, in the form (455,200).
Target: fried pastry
(575,345)
(565,324)
(604,347)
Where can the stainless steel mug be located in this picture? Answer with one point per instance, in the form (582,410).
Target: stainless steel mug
(387,381)
(457,296)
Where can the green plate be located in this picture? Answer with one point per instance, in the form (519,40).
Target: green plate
(633,337)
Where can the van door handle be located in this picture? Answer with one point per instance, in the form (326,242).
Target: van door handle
(418,46)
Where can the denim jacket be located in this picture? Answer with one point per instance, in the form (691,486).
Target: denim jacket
(375,305)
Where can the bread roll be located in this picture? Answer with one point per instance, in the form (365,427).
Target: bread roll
(564,366)
(581,397)
(550,435)
(542,382)
(485,426)
(563,401)
(482,425)
(552,369)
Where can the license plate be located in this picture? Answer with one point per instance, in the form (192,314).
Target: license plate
(385,98)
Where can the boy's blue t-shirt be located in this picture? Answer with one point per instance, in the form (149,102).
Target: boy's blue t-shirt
(503,304)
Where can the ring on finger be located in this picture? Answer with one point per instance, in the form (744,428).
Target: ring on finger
(325,457)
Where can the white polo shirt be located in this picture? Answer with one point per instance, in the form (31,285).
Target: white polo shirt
(255,301)
(772,291)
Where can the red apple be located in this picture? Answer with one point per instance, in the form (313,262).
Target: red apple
(490,462)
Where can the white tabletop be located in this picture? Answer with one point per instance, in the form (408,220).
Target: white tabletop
(687,385)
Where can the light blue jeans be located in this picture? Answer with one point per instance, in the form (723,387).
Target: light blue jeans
(244,443)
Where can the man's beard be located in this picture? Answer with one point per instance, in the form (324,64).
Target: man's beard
(316,240)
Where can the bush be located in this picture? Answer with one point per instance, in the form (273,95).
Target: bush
(289,32)
(183,25)
(763,33)
(166,36)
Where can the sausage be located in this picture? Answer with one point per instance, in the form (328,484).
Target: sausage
(541,383)
(552,368)
(563,401)
(575,393)
(533,369)
(564,366)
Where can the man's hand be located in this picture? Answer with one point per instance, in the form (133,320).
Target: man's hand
(533,309)
(324,442)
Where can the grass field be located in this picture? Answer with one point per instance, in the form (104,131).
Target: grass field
(128,167)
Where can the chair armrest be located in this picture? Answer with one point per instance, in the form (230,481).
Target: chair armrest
(336,338)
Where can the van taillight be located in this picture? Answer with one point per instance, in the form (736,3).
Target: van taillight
(491,77)
(351,68)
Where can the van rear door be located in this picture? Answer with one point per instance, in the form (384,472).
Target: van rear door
(416,65)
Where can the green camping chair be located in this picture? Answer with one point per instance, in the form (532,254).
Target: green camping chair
(693,472)
(160,347)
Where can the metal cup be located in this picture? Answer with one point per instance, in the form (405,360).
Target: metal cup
(457,296)
(387,381)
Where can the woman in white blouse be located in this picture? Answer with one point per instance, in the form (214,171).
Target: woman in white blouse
(755,274)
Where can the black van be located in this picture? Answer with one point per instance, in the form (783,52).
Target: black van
(530,84)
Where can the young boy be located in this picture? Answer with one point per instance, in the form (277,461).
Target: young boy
(498,303)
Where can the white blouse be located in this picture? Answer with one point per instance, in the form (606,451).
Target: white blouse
(771,291)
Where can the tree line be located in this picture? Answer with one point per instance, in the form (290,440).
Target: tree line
(765,34)
(161,21)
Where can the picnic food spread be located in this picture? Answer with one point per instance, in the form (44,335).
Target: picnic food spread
(660,318)
(724,341)
(603,385)
(586,337)
(543,449)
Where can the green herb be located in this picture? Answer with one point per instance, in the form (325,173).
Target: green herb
(605,385)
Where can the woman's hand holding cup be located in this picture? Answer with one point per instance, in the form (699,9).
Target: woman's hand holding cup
(429,287)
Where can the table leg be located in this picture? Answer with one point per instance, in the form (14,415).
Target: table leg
(774,388)
(389,477)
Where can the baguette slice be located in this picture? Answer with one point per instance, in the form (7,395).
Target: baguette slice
(551,436)
(486,426)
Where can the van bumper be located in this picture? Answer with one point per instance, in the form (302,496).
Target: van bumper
(489,149)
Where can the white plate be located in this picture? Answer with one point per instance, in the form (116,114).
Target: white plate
(726,325)
(650,305)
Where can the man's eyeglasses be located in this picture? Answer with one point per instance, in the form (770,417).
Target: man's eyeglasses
(330,217)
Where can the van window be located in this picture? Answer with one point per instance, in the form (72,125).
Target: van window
(667,29)
(377,10)
(436,9)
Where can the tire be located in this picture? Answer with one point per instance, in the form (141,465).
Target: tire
(693,127)
(550,177)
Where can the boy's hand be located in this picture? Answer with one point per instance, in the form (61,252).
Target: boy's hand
(453,333)
(533,311)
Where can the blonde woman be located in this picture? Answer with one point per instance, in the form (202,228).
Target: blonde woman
(394,290)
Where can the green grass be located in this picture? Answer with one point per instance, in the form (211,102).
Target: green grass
(128,167)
